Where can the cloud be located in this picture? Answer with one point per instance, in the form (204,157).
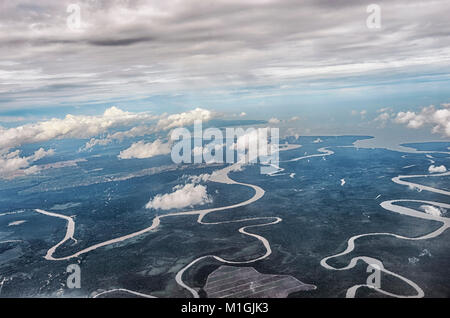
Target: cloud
(71,126)
(166,46)
(187,195)
(165,122)
(439,119)
(384,110)
(96,142)
(184,119)
(361,113)
(243,114)
(41,153)
(382,119)
(433,210)
(82,126)
(138,131)
(13,165)
(294,118)
(143,150)
(437,169)
(274,121)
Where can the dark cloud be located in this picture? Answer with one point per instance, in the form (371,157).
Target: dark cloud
(120,42)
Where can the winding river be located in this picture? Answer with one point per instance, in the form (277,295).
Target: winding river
(221,176)
(392,206)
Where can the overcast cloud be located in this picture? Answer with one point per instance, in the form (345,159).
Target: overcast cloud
(141,48)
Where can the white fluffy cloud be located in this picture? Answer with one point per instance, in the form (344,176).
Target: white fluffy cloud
(41,153)
(183,196)
(13,165)
(165,122)
(142,150)
(72,126)
(439,119)
(184,119)
(137,131)
(82,126)
(437,169)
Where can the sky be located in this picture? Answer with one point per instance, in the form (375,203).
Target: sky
(316,61)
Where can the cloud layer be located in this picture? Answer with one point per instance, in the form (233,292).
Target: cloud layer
(83,127)
(154,47)
(165,122)
(71,126)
